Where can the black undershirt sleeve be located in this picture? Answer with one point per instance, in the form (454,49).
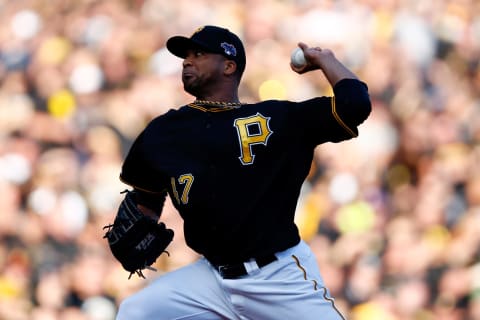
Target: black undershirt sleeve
(153,201)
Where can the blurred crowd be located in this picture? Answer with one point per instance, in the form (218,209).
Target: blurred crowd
(393,216)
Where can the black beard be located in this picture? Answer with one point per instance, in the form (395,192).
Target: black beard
(195,88)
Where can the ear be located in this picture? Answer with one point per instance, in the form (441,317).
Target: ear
(230,67)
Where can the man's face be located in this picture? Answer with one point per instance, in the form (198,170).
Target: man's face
(201,71)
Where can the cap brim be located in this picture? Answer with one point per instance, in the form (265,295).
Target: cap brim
(179,46)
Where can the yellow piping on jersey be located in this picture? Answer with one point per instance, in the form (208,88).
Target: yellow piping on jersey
(340,121)
(142,189)
(212,109)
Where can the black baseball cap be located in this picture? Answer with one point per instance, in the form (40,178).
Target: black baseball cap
(211,39)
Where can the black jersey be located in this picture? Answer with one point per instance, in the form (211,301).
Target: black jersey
(235,173)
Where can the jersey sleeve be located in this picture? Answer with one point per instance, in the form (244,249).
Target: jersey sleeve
(336,118)
(139,171)
(351,103)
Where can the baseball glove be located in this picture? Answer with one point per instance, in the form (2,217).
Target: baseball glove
(136,240)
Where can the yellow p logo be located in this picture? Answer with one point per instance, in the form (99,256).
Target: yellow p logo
(251,131)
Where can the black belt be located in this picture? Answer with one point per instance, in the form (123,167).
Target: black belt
(233,271)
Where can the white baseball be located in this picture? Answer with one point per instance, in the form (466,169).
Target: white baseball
(298,58)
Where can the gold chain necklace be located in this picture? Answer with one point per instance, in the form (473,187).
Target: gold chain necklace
(218,103)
